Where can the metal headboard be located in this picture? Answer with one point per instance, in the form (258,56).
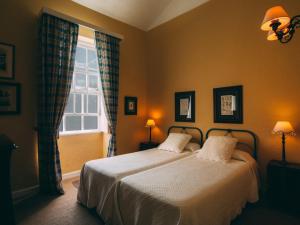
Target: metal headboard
(230,131)
(184,129)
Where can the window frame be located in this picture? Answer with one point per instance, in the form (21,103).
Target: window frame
(88,44)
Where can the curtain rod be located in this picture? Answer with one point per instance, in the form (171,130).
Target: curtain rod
(79,22)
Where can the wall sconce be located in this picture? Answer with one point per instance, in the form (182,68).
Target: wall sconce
(279,25)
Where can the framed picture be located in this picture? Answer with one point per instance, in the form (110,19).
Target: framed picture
(228,104)
(9,98)
(130,105)
(7,61)
(185,106)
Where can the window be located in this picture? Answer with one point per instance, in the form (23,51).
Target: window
(84,111)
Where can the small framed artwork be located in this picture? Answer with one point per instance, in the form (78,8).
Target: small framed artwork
(228,104)
(185,106)
(7,61)
(130,105)
(9,98)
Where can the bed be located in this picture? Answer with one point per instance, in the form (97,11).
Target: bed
(189,191)
(99,178)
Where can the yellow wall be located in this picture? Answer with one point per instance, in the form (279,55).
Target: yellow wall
(75,150)
(19,26)
(220,44)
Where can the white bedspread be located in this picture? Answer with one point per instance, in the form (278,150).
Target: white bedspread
(98,178)
(190,191)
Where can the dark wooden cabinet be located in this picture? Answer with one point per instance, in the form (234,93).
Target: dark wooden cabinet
(6,205)
(147,145)
(284,185)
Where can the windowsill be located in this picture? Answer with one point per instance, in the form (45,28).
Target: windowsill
(73,133)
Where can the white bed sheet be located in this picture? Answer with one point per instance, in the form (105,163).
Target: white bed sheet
(98,178)
(190,191)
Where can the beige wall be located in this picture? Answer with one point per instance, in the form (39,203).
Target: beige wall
(19,26)
(220,44)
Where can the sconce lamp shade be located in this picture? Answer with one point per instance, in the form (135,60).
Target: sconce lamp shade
(275,14)
(150,123)
(284,127)
(272,36)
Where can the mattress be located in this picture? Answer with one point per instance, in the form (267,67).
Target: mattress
(190,191)
(99,178)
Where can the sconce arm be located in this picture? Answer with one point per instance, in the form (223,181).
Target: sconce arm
(286,36)
(295,22)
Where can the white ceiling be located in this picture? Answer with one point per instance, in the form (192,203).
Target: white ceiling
(144,14)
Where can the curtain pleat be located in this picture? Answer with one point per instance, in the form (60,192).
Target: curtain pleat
(108,48)
(58,41)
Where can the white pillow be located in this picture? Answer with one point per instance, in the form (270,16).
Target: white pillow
(192,146)
(218,148)
(175,142)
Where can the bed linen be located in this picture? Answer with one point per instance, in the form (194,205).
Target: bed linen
(190,191)
(98,178)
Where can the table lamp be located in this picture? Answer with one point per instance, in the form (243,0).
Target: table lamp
(150,123)
(284,128)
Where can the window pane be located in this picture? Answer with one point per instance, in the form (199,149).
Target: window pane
(80,81)
(93,81)
(61,126)
(73,123)
(70,105)
(80,57)
(78,103)
(92,59)
(85,103)
(92,103)
(90,122)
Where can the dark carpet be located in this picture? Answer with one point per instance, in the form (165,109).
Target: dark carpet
(64,210)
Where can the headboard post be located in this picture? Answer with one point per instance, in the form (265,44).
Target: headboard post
(188,128)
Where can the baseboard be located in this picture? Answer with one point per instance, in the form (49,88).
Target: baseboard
(23,194)
(20,195)
(70,175)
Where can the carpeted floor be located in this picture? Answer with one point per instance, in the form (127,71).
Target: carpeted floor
(64,210)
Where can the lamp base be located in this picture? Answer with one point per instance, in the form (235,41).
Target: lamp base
(283,147)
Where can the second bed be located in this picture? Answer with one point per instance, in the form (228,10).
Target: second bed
(189,191)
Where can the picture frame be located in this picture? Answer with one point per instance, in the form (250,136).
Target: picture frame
(10,94)
(185,106)
(130,105)
(228,104)
(7,61)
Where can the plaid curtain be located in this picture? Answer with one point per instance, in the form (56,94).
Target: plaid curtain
(58,41)
(108,59)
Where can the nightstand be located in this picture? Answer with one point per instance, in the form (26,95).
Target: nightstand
(147,145)
(284,185)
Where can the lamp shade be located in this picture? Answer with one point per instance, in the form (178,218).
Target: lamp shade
(284,127)
(272,36)
(275,14)
(150,123)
